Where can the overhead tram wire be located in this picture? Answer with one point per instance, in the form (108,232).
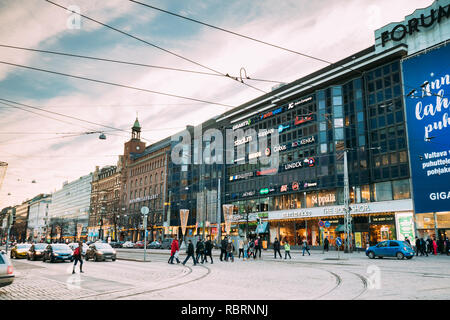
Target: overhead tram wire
(152,44)
(130,63)
(256,40)
(115,84)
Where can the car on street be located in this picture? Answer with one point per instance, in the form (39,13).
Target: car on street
(128,244)
(57,252)
(391,248)
(154,245)
(166,243)
(20,250)
(36,251)
(116,244)
(74,245)
(100,252)
(139,244)
(6,270)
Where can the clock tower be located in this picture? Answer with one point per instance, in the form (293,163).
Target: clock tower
(135,145)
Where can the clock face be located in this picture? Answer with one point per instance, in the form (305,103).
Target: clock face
(137,148)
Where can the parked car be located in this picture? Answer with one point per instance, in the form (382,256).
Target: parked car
(6,270)
(166,243)
(391,248)
(117,244)
(57,252)
(154,245)
(100,251)
(36,251)
(139,244)
(20,250)
(74,245)
(128,244)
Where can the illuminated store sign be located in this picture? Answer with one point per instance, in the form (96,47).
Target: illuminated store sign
(267,172)
(284,188)
(293,104)
(279,148)
(266,190)
(242,124)
(254,155)
(310,184)
(303,142)
(266,132)
(281,128)
(272,113)
(295,186)
(321,200)
(146,198)
(310,162)
(241,176)
(301,120)
(248,194)
(243,141)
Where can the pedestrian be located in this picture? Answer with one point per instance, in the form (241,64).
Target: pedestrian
(423,247)
(174,250)
(208,250)
(447,246)
(305,247)
(241,248)
(77,256)
(200,250)
(287,250)
(407,241)
(258,246)
(435,246)
(418,247)
(223,249)
(276,248)
(429,244)
(326,244)
(251,249)
(230,249)
(190,253)
(245,249)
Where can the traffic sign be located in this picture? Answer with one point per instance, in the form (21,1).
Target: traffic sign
(145,210)
(327,224)
(338,241)
(321,223)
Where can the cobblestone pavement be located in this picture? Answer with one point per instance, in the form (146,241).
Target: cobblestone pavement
(319,276)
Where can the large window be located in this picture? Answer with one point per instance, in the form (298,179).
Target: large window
(383,191)
(400,189)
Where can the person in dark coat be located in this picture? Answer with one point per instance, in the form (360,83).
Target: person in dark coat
(223,249)
(230,250)
(407,241)
(190,253)
(326,244)
(423,248)
(173,251)
(429,244)
(258,246)
(77,256)
(200,250)
(418,249)
(276,248)
(447,246)
(208,250)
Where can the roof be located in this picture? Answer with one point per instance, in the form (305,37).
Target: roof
(136,124)
(151,149)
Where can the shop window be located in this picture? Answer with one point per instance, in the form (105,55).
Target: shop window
(443,220)
(425,221)
(401,189)
(383,191)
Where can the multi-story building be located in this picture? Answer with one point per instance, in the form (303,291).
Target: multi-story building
(38,217)
(105,202)
(143,185)
(19,229)
(69,210)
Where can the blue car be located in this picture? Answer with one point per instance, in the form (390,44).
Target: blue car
(391,248)
(57,252)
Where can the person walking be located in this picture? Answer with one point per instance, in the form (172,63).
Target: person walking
(223,249)
(258,246)
(78,256)
(429,245)
(423,247)
(305,247)
(418,247)
(435,246)
(407,241)
(447,246)
(230,250)
(208,250)
(326,244)
(245,249)
(190,253)
(174,249)
(276,248)
(241,247)
(251,249)
(287,250)
(200,250)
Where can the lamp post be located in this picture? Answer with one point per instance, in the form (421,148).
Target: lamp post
(145,211)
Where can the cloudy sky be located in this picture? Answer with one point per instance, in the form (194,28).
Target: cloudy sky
(48,148)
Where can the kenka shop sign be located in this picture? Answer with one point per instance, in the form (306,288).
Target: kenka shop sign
(422,29)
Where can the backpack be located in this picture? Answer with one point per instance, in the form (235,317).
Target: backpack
(77,251)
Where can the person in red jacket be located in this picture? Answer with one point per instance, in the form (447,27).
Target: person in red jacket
(174,251)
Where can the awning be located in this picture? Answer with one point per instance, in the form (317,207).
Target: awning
(262,228)
(339,228)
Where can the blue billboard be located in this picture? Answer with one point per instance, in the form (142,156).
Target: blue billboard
(426,81)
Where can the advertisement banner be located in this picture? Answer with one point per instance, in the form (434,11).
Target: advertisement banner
(184,213)
(426,80)
(228,216)
(358,243)
(405,226)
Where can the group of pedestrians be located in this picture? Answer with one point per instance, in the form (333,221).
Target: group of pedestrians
(202,251)
(431,246)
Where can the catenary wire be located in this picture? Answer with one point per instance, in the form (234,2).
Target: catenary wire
(151,44)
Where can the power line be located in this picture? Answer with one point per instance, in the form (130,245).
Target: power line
(131,63)
(114,84)
(150,44)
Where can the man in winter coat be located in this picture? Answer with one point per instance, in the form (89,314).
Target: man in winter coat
(200,250)
(418,249)
(258,246)
(223,249)
(276,248)
(423,247)
(230,249)
(173,251)
(326,244)
(208,250)
(190,253)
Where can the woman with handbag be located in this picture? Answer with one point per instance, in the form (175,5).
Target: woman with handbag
(174,251)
